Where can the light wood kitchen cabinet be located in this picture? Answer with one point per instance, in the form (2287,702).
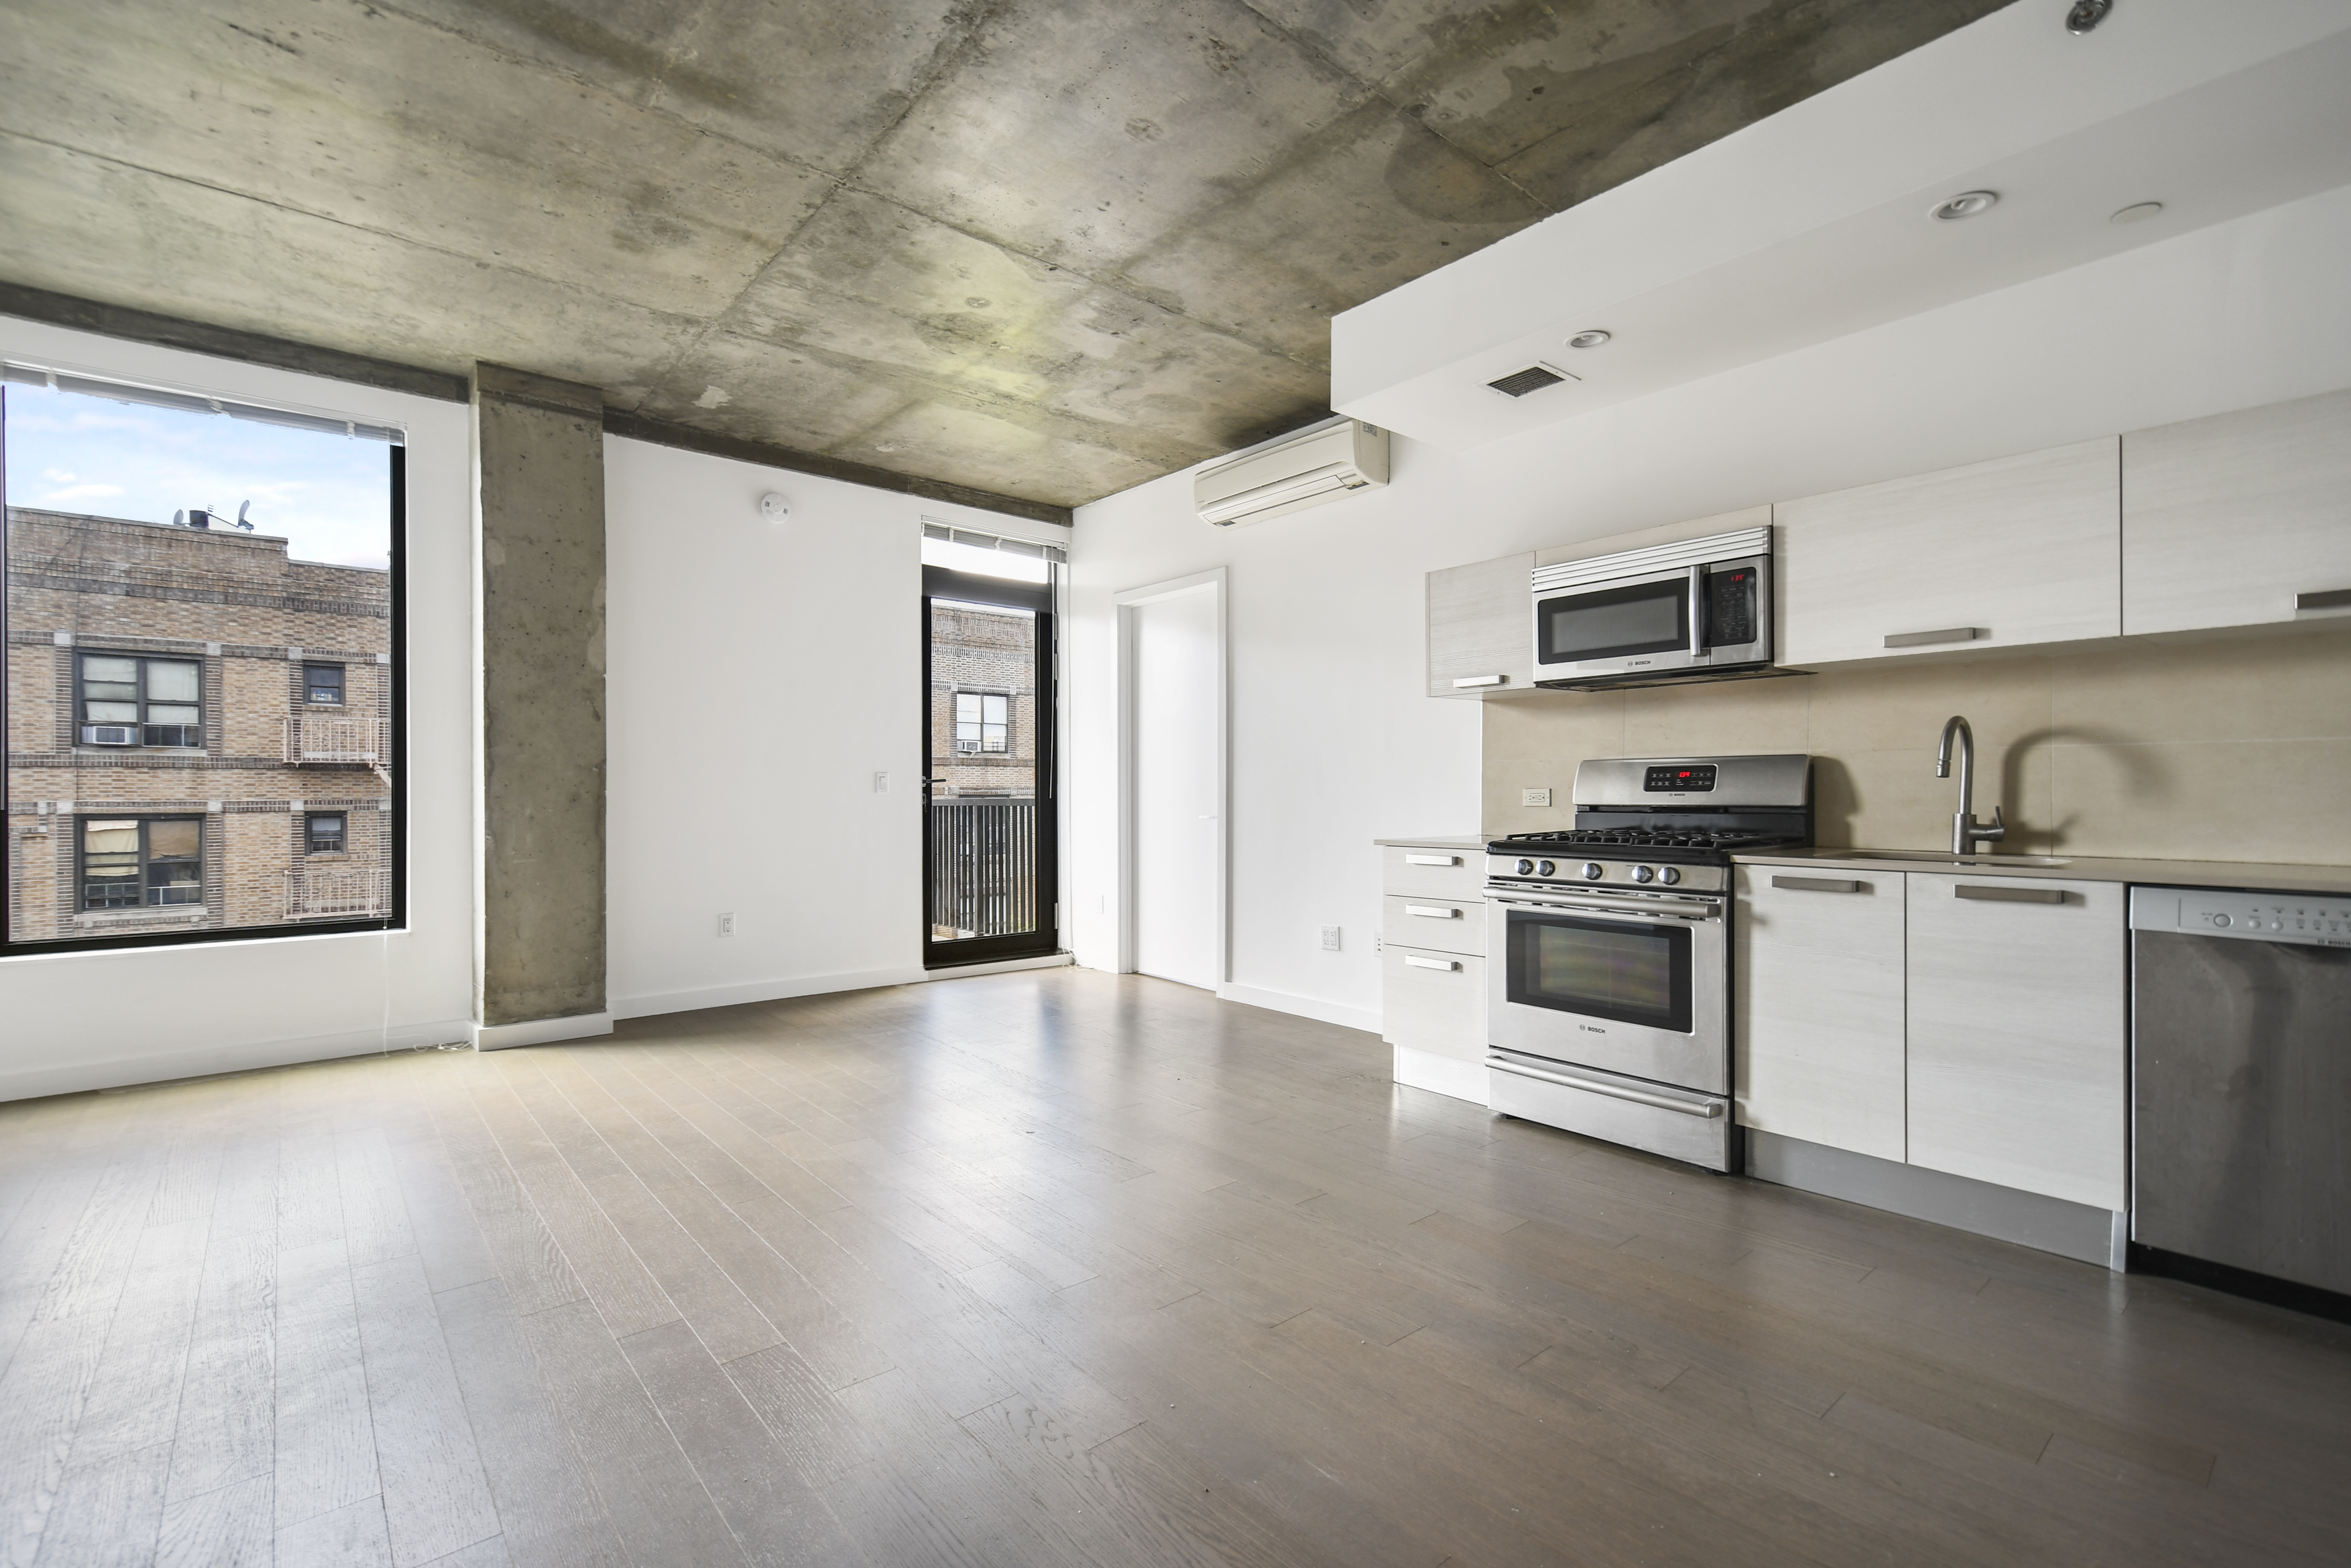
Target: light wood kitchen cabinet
(1440,924)
(1432,871)
(2016,552)
(1481,628)
(2017,1033)
(2236,519)
(1820,1007)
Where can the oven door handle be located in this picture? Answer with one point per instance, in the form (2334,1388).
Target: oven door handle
(1706,1109)
(1605,906)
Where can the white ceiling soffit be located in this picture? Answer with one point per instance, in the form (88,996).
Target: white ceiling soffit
(1815,223)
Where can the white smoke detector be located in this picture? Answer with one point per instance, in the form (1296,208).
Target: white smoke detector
(774,507)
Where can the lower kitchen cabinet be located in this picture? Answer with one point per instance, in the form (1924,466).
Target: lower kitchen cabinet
(2017,1034)
(1820,1007)
(1434,1002)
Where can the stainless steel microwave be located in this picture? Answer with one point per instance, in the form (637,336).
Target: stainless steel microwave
(1691,610)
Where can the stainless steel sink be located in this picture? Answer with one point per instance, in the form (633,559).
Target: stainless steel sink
(1944,857)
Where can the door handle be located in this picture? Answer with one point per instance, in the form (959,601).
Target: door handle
(1479,681)
(1432,911)
(1623,911)
(1817,883)
(1432,859)
(1704,1109)
(1417,962)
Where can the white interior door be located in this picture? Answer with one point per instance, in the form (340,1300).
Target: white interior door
(1177,773)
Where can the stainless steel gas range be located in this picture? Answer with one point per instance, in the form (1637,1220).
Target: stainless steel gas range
(1608,949)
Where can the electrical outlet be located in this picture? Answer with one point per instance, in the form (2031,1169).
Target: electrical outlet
(1329,939)
(1534,797)
(726,925)
(882,783)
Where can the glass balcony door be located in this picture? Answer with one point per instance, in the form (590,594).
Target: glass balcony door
(989,868)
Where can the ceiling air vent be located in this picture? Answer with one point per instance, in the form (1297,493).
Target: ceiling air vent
(1534,378)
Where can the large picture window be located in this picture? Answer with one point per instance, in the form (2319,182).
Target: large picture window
(203,648)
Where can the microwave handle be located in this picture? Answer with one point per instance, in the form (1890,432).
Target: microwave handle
(1697,611)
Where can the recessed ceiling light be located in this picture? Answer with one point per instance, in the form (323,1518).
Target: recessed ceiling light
(2087,14)
(1588,339)
(2136,214)
(1966,205)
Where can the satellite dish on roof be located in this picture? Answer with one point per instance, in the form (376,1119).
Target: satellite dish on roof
(243,507)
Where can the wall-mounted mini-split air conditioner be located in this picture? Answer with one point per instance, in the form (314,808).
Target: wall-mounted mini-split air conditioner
(1304,468)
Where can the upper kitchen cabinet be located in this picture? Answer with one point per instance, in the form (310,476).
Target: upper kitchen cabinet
(1481,639)
(2240,519)
(2009,553)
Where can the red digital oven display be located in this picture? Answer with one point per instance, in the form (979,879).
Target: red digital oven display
(1696,779)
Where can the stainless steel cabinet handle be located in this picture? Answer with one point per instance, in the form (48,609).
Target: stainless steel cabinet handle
(1480,681)
(1706,1109)
(1416,961)
(1947,634)
(1817,883)
(1432,859)
(1432,911)
(2326,599)
(2009,895)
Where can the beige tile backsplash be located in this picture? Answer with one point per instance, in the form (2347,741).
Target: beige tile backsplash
(2228,749)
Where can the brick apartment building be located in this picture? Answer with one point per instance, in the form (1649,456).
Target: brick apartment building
(983,700)
(199,730)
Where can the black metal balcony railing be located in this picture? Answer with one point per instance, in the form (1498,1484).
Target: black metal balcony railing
(983,868)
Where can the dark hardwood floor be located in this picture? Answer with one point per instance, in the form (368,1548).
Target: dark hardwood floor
(1054,1269)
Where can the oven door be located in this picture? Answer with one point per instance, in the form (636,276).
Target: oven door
(1628,983)
(1624,626)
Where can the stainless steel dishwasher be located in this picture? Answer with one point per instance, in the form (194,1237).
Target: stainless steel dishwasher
(2240,1073)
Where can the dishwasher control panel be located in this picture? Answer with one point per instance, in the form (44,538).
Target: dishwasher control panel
(2311,919)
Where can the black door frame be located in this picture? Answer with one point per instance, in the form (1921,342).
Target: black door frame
(942,582)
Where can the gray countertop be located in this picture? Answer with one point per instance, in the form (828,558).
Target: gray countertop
(2328,879)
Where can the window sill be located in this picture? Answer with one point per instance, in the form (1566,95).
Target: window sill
(175,913)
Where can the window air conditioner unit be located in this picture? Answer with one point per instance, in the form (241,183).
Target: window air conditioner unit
(1304,468)
(110,734)
(967,747)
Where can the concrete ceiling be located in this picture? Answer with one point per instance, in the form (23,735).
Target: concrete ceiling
(1044,248)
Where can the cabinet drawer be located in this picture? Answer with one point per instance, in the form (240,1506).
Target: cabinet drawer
(2018,1051)
(1442,924)
(1407,872)
(1434,1001)
(1820,1007)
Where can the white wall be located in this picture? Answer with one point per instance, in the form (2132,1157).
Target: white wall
(87,1021)
(1332,744)
(759,677)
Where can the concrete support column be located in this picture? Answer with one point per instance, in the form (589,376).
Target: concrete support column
(538,516)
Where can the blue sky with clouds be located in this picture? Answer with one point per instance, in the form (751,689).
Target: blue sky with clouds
(329,496)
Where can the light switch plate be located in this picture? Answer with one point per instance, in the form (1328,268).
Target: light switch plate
(1534,797)
(1330,938)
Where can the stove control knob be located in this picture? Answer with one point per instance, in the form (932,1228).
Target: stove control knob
(1526,868)
(1669,875)
(1592,871)
(1643,874)
(1545,869)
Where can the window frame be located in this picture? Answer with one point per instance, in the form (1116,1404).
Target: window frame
(81,721)
(393,686)
(85,820)
(342,683)
(979,743)
(310,821)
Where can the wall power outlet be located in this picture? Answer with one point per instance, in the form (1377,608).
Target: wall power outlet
(1329,939)
(1534,797)
(726,924)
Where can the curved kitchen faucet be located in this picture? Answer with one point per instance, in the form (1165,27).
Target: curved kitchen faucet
(1966,831)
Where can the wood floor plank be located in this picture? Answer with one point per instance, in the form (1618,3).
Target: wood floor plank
(548,1513)
(109,1512)
(436,1499)
(226,1430)
(231,1526)
(324,1444)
